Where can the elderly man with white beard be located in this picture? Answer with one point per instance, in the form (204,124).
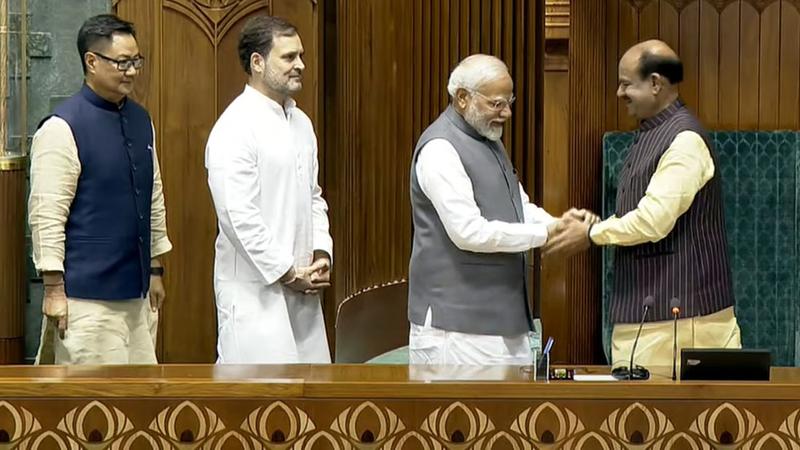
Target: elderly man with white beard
(473,225)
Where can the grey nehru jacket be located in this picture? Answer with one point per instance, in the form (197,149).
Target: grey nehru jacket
(468,292)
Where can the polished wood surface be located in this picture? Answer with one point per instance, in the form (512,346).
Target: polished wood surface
(360,380)
(387,407)
(13,270)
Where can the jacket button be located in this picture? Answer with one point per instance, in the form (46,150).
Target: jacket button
(141,216)
(141,240)
(134,167)
(137,191)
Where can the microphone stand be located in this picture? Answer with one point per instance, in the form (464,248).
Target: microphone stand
(676,310)
(636,341)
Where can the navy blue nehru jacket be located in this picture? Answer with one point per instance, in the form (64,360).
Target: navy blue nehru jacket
(107,248)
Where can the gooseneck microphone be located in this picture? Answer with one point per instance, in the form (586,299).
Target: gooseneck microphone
(675,308)
(648,303)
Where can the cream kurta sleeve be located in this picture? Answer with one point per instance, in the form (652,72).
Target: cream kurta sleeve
(159,242)
(682,171)
(55,169)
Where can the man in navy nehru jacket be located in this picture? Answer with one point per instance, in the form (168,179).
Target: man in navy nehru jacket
(96,211)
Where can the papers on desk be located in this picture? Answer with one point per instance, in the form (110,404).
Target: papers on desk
(594,377)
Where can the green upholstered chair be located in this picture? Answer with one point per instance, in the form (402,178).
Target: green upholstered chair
(761,188)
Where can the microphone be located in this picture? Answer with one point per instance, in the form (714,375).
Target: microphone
(675,306)
(648,303)
(642,373)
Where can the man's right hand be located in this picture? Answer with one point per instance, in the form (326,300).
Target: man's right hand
(54,306)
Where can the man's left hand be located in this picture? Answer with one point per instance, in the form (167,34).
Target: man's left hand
(156,293)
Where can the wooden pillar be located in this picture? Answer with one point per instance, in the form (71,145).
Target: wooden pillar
(12,258)
(587,120)
(12,223)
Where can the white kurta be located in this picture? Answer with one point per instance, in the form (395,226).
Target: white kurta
(445,182)
(262,173)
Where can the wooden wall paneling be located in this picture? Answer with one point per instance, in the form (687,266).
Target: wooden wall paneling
(475,26)
(749,57)
(305,15)
(189,314)
(769,67)
(729,91)
(649,20)
(689,53)
(612,63)
(628,36)
(669,26)
(708,82)
(555,199)
(789,87)
(587,123)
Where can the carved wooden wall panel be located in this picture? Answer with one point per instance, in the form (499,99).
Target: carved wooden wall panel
(305,424)
(741,57)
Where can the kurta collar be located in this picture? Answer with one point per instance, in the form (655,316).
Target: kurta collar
(273,106)
(663,116)
(100,102)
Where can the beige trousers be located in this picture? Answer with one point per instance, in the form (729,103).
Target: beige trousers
(102,332)
(717,330)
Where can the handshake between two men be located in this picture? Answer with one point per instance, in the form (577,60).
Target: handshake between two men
(570,234)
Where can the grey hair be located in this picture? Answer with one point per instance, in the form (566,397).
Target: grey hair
(473,71)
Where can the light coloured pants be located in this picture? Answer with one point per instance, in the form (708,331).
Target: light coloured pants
(429,345)
(717,330)
(102,332)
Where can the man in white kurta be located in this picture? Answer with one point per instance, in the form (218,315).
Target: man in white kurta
(273,249)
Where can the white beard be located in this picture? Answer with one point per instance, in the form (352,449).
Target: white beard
(482,126)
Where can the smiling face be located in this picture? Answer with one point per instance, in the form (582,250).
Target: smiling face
(282,70)
(639,94)
(488,108)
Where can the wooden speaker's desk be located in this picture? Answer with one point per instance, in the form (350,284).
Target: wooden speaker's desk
(384,407)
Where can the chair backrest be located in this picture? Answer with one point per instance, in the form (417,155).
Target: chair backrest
(761,189)
(371,322)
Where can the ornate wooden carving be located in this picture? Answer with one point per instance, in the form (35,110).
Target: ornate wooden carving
(215,17)
(403,424)
(720,5)
(640,4)
(556,19)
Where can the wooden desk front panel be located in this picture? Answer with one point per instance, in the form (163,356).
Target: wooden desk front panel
(408,423)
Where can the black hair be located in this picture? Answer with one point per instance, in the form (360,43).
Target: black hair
(100,28)
(257,35)
(668,67)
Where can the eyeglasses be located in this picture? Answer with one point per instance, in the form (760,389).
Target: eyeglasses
(497,104)
(123,65)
